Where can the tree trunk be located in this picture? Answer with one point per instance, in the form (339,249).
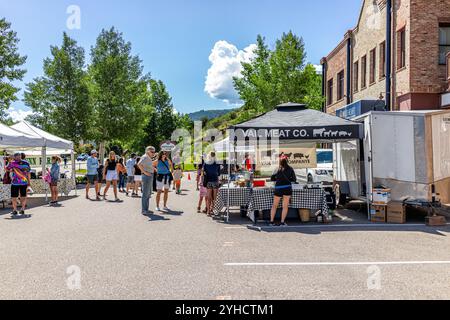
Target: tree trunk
(101,151)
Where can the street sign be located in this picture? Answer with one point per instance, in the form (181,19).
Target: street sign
(168,146)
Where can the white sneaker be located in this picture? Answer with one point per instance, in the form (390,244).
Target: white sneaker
(158,209)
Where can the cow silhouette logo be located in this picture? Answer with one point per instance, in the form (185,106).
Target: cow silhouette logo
(319,132)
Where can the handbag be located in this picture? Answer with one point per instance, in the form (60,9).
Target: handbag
(6,178)
(47,177)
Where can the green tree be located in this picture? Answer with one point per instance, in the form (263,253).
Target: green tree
(278,76)
(60,98)
(162,120)
(10,63)
(118,89)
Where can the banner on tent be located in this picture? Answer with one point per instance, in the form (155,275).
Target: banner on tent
(299,158)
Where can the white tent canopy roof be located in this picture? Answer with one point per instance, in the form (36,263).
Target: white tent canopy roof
(49,140)
(10,137)
(227,147)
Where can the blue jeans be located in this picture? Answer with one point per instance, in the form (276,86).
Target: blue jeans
(122,181)
(147,188)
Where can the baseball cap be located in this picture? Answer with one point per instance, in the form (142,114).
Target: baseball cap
(93,152)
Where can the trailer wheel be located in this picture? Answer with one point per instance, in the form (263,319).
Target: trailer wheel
(341,198)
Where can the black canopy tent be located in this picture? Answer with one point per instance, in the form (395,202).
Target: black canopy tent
(295,123)
(292,121)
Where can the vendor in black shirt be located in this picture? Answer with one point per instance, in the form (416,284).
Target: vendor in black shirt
(284,176)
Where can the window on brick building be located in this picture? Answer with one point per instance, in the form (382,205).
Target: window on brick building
(444,42)
(330,92)
(340,85)
(355,76)
(363,72)
(382,71)
(373,60)
(401,49)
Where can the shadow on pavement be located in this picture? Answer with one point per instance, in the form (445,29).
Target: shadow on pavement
(154,218)
(35,202)
(316,229)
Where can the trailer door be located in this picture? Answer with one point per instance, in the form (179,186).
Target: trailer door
(368,156)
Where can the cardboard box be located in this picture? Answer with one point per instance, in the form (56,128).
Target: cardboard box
(378,213)
(396,212)
(437,221)
(381,196)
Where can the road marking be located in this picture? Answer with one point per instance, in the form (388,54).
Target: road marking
(228,244)
(330,264)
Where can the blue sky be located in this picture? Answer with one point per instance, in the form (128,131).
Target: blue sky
(176,38)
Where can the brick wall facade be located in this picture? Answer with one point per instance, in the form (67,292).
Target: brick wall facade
(417,85)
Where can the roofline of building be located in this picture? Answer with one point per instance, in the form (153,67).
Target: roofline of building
(349,32)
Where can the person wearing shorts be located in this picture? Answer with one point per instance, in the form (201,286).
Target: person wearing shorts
(21,176)
(137,178)
(163,177)
(211,173)
(283,177)
(55,172)
(111,174)
(92,174)
(130,173)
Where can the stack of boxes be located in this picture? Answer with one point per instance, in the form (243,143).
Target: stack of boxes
(384,210)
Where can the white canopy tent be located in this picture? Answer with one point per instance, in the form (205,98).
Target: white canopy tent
(50,140)
(45,142)
(226,147)
(12,138)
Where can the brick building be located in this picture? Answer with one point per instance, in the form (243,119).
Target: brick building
(396,55)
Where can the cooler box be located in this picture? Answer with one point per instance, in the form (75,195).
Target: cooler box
(259,183)
(381,196)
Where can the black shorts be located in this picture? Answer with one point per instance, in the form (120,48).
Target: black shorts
(285,192)
(18,190)
(92,179)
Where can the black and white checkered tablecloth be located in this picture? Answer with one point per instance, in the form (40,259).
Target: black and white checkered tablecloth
(239,197)
(313,199)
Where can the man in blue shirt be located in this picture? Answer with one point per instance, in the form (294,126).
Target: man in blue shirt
(92,174)
(130,172)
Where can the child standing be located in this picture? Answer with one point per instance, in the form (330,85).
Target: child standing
(177,176)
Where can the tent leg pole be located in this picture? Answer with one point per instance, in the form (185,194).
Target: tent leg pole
(74,175)
(44,164)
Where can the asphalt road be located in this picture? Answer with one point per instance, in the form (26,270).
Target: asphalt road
(102,250)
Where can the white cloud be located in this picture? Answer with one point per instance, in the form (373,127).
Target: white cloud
(226,61)
(318,68)
(18,114)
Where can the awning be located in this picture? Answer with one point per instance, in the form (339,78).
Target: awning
(292,121)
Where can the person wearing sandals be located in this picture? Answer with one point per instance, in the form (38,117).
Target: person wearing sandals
(163,177)
(92,174)
(211,174)
(21,176)
(284,177)
(110,172)
(55,172)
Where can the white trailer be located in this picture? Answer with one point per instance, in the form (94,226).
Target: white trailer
(406,151)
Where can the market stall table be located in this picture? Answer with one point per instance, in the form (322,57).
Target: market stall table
(5,193)
(313,199)
(238,197)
